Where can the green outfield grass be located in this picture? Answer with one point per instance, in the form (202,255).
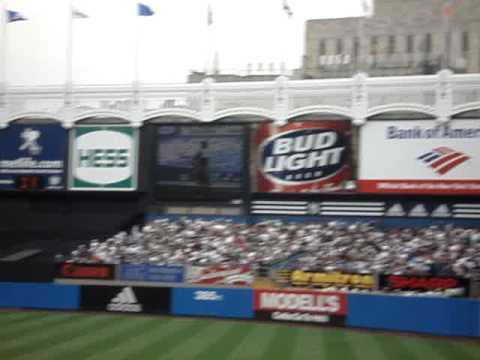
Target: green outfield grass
(71,336)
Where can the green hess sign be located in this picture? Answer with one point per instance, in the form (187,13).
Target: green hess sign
(103,158)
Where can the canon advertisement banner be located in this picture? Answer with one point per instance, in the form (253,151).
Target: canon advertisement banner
(126,299)
(32,157)
(103,158)
(420,157)
(309,156)
(323,308)
(86,271)
(220,274)
(450,285)
(328,279)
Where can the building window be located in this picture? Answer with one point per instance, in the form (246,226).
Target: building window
(322,49)
(391,44)
(339,46)
(428,43)
(373,45)
(465,42)
(356,48)
(410,44)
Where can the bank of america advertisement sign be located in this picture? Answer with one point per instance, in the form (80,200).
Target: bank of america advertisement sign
(420,157)
(32,157)
(311,156)
(103,158)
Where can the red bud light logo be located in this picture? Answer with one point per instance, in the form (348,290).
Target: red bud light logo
(303,157)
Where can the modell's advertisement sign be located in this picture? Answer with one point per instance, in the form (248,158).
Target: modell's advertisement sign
(420,157)
(32,157)
(302,157)
(301,306)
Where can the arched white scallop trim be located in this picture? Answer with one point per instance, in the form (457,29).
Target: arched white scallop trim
(323,109)
(400,107)
(124,115)
(466,107)
(171,112)
(33,114)
(251,111)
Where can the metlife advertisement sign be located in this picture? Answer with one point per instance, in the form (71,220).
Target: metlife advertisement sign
(32,157)
(420,157)
(103,158)
(313,156)
(219,302)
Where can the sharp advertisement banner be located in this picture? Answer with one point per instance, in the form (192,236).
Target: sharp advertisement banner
(200,159)
(153,273)
(127,299)
(103,158)
(301,306)
(420,157)
(313,156)
(450,285)
(32,157)
(231,303)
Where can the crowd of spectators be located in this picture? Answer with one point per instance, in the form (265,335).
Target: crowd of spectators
(357,248)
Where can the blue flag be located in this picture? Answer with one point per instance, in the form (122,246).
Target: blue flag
(144,10)
(14,16)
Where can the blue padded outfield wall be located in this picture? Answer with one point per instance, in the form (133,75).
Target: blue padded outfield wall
(451,317)
(217,302)
(39,296)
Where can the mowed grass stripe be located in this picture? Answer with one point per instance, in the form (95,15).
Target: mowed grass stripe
(283,343)
(394,349)
(144,333)
(364,346)
(90,340)
(310,344)
(51,336)
(14,317)
(227,343)
(453,350)
(338,345)
(423,348)
(34,325)
(177,332)
(191,346)
(255,343)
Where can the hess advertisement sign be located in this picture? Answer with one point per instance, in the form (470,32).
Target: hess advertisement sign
(309,156)
(32,157)
(103,158)
(420,157)
(301,306)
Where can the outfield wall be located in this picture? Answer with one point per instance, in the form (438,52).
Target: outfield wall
(438,316)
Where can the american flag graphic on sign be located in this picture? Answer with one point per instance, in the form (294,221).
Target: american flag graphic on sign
(443,159)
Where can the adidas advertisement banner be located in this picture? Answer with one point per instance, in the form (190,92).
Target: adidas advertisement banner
(420,157)
(32,157)
(103,158)
(126,299)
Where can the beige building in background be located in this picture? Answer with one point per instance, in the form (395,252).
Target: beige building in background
(403,37)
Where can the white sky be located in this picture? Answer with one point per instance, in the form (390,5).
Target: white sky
(173,41)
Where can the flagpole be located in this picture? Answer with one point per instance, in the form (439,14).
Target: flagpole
(136,51)
(4,50)
(69,69)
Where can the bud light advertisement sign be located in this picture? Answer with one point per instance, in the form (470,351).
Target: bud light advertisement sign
(32,157)
(312,156)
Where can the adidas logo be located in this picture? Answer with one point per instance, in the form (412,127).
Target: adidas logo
(396,210)
(125,301)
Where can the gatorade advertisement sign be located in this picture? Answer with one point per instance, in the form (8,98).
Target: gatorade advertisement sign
(313,156)
(103,158)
